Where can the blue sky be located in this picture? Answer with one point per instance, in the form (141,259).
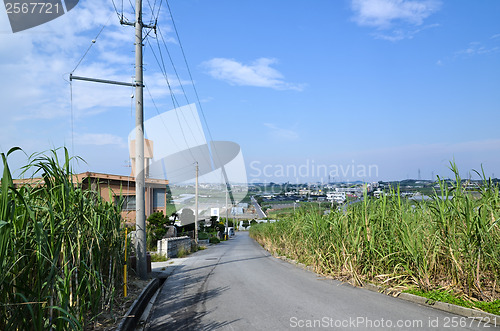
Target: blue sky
(367,89)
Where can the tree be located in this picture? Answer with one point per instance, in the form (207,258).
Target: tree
(213,221)
(175,216)
(187,216)
(157,228)
(245,224)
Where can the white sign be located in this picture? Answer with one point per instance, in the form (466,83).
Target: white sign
(214,212)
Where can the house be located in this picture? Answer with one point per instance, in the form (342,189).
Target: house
(112,187)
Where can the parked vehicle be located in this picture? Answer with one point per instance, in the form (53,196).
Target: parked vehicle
(230,231)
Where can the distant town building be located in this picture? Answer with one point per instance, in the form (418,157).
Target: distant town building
(337,196)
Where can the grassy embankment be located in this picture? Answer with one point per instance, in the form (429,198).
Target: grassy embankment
(447,246)
(61,250)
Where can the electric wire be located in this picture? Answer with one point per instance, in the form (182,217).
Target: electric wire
(198,98)
(176,73)
(71,84)
(152,8)
(161,118)
(179,81)
(91,44)
(174,100)
(187,67)
(159,9)
(162,68)
(176,103)
(116,10)
(172,93)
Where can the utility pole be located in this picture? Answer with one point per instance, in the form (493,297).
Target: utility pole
(140,208)
(196,212)
(226,232)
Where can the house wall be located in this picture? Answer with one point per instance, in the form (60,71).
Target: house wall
(110,187)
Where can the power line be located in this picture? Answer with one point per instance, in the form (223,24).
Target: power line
(116,10)
(161,118)
(192,80)
(176,73)
(172,94)
(91,44)
(174,101)
(198,99)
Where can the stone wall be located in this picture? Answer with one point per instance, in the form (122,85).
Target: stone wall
(170,246)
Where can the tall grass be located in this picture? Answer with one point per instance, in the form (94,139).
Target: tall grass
(452,241)
(61,249)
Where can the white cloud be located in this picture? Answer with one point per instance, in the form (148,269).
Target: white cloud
(38,62)
(99,139)
(477,48)
(37,113)
(400,34)
(489,46)
(384,13)
(259,73)
(282,134)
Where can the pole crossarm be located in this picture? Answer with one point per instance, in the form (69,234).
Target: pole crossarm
(123,22)
(105,81)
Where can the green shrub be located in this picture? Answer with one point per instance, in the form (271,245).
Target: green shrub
(181,252)
(158,257)
(214,240)
(156,229)
(203,235)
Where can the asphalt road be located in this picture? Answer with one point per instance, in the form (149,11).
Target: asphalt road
(258,209)
(237,285)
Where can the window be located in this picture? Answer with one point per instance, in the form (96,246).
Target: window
(158,197)
(127,201)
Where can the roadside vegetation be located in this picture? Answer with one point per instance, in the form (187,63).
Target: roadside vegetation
(61,250)
(450,243)
(282,213)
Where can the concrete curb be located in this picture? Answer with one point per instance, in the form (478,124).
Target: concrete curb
(481,316)
(129,322)
(161,271)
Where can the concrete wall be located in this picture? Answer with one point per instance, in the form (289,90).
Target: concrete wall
(171,246)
